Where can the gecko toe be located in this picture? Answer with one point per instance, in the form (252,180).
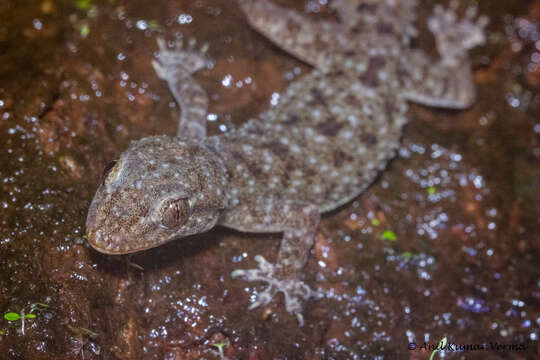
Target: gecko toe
(180,59)
(294,290)
(455,35)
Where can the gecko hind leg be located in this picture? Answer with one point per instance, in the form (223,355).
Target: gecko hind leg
(176,65)
(448,82)
(299,222)
(455,36)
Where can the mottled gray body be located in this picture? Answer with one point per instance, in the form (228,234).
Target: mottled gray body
(330,134)
(323,149)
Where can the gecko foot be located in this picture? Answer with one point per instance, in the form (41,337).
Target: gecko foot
(455,36)
(293,289)
(179,60)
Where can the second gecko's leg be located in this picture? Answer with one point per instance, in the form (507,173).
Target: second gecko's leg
(298,221)
(176,66)
(447,82)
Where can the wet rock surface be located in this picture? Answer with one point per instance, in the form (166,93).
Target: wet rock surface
(445,243)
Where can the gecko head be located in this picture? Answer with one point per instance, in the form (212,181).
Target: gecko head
(160,189)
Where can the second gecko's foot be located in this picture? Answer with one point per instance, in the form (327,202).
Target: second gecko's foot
(454,36)
(293,289)
(179,60)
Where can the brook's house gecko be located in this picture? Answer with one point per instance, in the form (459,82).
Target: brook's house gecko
(330,134)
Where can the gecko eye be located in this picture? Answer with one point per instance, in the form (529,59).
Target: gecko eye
(174,213)
(107,170)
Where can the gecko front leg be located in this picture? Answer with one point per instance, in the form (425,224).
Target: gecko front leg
(176,66)
(455,36)
(298,221)
(447,82)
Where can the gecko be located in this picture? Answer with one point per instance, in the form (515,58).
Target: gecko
(329,135)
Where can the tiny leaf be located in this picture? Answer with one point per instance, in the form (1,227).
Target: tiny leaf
(375,222)
(406,255)
(84,4)
(30,316)
(38,307)
(219,345)
(136,266)
(432,190)
(389,235)
(443,343)
(153,24)
(85,30)
(11,316)
(441,346)
(82,331)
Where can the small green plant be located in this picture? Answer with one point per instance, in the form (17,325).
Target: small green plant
(132,264)
(220,347)
(406,255)
(91,11)
(80,332)
(22,316)
(81,336)
(375,222)
(389,235)
(85,30)
(432,190)
(83,4)
(153,25)
(38,307)
(442,345)
(12,317)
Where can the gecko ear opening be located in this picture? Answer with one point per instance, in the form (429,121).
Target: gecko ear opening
(172,214)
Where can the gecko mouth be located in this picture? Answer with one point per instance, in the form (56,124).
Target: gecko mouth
(110,244)
(107,243)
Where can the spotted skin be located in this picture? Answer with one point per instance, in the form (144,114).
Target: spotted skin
(330,134)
